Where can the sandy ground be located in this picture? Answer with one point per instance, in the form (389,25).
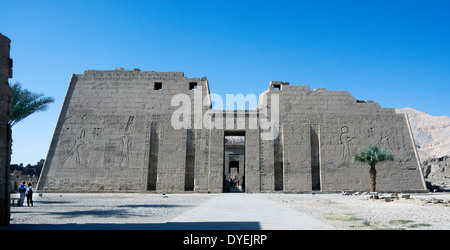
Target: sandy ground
(56,208)
(359,212)
(356,212)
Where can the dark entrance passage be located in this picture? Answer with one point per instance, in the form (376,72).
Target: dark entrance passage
(234,161)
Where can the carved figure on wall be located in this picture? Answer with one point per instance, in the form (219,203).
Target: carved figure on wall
(77,146)
(385,134)
(126,146)
(345,140)
(126,143)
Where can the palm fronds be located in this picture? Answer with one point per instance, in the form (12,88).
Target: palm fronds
(373,155)
(26,103)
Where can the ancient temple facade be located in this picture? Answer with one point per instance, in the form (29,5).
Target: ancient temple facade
(136,131)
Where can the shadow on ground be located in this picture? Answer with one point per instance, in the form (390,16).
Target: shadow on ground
(152,206)
(227,225)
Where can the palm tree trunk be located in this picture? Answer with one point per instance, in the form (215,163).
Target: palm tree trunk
(373,177)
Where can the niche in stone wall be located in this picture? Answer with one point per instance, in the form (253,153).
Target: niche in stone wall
(153,158)
(315,156)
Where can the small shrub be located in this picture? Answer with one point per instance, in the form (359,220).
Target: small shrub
(400,222)
(419,225)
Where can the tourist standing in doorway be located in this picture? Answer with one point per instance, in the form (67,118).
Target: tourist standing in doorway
(29,194)
(22,191)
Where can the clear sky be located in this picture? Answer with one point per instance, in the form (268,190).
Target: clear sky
(396,53)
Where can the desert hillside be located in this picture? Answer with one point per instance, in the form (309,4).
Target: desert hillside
(431,133)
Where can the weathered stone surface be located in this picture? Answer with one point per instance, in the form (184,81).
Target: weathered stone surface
(116,133)
(405,196)
(5,130)
(437,172)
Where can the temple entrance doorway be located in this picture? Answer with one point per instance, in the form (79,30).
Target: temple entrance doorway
(234,162)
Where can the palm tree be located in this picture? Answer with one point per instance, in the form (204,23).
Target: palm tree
(26,103)
(373,155)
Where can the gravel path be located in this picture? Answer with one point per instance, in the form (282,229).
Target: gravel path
(250,211)
(69,211)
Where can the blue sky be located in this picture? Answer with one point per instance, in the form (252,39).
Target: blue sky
(396,53)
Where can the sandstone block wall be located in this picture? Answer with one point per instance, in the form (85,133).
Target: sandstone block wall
(5,130)
(322,130)
(115,133)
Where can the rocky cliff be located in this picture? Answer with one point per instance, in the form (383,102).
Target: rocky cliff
(431,133)
(432,138)
(437,172)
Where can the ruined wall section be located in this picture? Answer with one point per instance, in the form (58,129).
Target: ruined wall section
(342,127)
(114,133)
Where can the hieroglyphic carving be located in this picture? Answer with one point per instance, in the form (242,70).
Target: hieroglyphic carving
(126,143)
(118,134)
(129,123)
(77,146)
(97,133)
(346,141)
(385,133)
(73,138)
(120,141)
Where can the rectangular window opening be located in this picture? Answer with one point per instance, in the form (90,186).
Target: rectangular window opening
(158,86)
(192,86)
